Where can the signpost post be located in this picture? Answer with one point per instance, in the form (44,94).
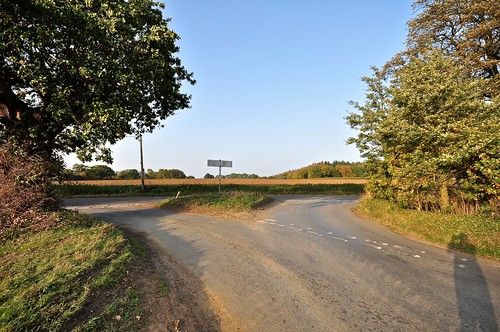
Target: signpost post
(219,163)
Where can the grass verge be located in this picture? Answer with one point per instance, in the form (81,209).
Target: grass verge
(218,202)
(478,235)
(80,276)
(72,190)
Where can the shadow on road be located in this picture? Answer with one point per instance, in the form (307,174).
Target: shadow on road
(473,298)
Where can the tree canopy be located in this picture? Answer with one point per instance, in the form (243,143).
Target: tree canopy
(468,30)
(77,75)
(429,124)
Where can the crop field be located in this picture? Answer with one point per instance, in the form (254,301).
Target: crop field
(250,182)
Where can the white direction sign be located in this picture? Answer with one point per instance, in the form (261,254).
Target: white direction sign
(219,163)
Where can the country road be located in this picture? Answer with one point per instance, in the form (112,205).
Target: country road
(309,264)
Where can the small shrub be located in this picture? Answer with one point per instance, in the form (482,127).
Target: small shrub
(26,201)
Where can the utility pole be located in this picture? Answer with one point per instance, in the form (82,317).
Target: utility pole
(143,187)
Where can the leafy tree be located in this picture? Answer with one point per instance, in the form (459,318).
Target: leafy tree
(78,75)
(150,174)
(431,142)
(128,174)
(80,171)
(100,172)
(344,170)
(170,174)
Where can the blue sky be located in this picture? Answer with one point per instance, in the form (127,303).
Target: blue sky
(273,82)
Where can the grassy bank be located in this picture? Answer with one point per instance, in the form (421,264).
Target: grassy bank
(478,235)
(80,276)
(214,202)
(70,190)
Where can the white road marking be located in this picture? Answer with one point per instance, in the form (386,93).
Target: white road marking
(422,251)
(311,232)
(385,244)
(309,228)
(341,239)
(378,248)
(280,225)
(463,259)
(291,224)
(353,237)
(261,221)
(270,220)
(368,240)
(416,256)
(461,266)
(330,233)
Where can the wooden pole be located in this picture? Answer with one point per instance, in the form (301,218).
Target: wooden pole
(143,186)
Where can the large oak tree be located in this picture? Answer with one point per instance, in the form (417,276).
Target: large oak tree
(76,75)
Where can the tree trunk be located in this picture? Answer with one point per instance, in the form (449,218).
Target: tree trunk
(444,198)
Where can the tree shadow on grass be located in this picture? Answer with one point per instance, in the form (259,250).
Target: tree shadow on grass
(473,298)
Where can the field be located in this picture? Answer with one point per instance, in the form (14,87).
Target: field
(250,182)
(123,188)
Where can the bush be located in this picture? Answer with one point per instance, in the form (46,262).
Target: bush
(26,201)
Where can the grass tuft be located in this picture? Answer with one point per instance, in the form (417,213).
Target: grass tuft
(218,202)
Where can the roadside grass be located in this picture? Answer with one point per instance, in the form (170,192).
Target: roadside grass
(72,190)
(74,277)
(479,235)
(218,202)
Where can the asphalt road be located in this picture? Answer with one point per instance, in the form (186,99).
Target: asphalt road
(309,264)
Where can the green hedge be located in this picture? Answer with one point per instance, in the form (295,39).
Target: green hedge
(68,190)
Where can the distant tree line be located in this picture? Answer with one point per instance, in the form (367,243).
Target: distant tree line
(327,169)
(233,176)
(103,172)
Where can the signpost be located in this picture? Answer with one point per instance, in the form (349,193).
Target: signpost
(219,163)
